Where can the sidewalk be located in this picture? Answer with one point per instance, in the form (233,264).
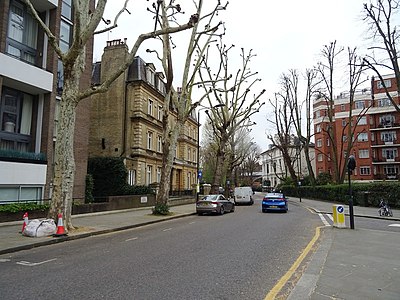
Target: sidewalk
(348,264)
(351,264)
(88,225)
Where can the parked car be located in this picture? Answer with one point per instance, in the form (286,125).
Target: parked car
(274,202)
(214,204)
(244,195)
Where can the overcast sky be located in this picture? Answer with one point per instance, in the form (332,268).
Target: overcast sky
(285,34)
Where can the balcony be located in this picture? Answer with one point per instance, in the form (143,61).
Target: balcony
(386,177)
(386,125)
(384,161)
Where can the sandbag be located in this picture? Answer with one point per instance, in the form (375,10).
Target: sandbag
(40,228)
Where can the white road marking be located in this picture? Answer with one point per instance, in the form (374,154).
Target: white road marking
(29,264)
(394,225)
(330,217)
(131,239)
(192,222)
(167,229)
(323,220)
(4,260)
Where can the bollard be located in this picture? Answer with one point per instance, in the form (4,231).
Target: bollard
(338,216)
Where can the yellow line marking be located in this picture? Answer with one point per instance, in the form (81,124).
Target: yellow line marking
(285,278)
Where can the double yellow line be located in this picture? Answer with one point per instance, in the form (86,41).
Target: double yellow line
(285,278)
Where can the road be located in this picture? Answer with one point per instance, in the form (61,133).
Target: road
(239,255)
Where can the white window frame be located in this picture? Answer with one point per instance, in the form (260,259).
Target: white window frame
(362,120)
(365,170)
(363,153)
(132,177)
(362,137)
(159,143)
(319,143)
(149,140)
(149,174)
(320,157)
(150,107)
(359,104)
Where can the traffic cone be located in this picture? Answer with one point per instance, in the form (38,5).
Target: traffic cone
(26,221)
(60,227)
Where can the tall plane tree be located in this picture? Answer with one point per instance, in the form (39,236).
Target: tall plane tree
(180,99)
(233,91)
(86,18)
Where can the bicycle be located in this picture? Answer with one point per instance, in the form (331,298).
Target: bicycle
(384,209)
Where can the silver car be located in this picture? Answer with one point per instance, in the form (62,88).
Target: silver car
(214,204)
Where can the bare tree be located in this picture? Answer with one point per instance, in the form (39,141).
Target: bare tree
(250,164)
(380,18)
(86,19)
(180,99)
(356,71)
(284,126)
(234,93)
(326,70)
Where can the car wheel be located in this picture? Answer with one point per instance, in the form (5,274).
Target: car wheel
(233,208)
(221,210)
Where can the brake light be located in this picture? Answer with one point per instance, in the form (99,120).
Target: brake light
(216,203)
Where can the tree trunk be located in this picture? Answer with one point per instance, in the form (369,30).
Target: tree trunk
(169,149)
(64,162)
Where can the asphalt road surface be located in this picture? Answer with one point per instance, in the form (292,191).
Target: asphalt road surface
(239,255)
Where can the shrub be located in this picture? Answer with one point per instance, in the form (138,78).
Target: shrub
(161,209)
(89,189)
(17,207)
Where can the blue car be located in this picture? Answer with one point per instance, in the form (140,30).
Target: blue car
(274,202)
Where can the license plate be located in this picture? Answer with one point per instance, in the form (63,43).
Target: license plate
(274,206)
(205,204)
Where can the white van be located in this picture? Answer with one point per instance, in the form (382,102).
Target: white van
(244,194)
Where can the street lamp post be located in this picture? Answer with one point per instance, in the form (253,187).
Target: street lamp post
(200,174)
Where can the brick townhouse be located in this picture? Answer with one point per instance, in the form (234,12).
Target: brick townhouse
(376,146)
(30,87)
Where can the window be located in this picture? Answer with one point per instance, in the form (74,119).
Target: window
(150,75)
(384,102)
(386,120)
(362,137)
(318,128)
(365,170)
(132,177)
(22,33)
(389,153)
(189,154)
(150,107)
(158,174)
(20,193)
(188,181)
(160,113)
(319,143)
(320,157)
(387,83)
(328,142)
(194,156)
(388,136)
(344,122)
(159,143)
(66,29)
(149,173)
(318,114)
(363,153)
(359,104)
(390,170)
(15,120)
(66,9)
(344,138)
(342,107)
(362,121)
(149,140)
